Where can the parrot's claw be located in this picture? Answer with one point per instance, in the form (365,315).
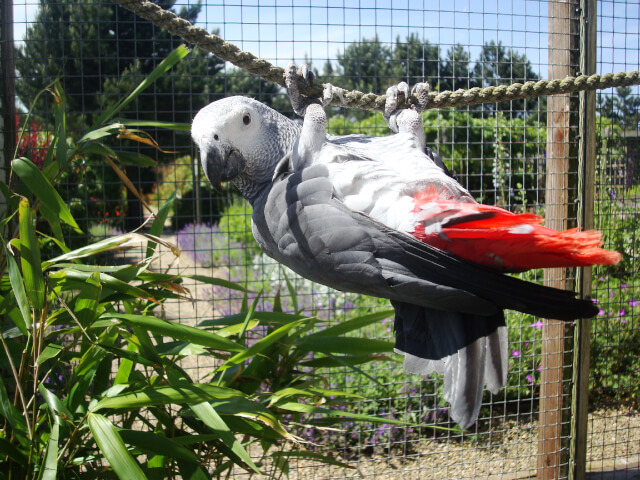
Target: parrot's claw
(391,104)
(406,120)
(421,92)
(296,79)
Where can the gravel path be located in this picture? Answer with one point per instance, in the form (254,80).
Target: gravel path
(613,443)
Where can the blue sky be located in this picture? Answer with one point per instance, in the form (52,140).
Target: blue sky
(281,31)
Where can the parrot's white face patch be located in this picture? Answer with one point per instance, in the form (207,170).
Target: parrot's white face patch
(217,124)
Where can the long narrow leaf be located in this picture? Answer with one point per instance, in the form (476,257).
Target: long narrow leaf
(185,127)
(205,412)
(158,223)
(71,279)
(128,183)
(310,409)
(189,471)
(217,281)
(350,346)
(30,256)
(157,444)
(35,180)
(59,107)
(138,159)
(311,456)
(179,395)
(17,287)
(176,330)
(113,448)
(87,304)
(12,452)
(260,345)
(173,58)
(49,469)
(355,323)
(10,413)
(119,242)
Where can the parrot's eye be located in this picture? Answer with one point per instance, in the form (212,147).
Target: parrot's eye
(246,119)
(216,137)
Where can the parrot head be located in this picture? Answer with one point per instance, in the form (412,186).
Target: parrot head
(241,140)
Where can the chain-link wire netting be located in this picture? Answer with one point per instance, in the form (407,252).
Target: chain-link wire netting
(99,52)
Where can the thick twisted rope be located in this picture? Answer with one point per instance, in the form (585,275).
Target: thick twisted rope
(369,101)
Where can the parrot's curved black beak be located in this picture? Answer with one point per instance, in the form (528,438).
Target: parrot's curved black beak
(221,164)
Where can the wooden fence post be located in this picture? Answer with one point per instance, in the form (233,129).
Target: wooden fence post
(561,14)
(586,192)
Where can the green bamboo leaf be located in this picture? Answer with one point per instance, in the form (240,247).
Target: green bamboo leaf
(185,127)
(113,448)
(181,349)
(312,410)
(311,456)
(205,412)
(173,58)
(88,140)
(18,289)
(156,467)
(39,185)
(49,468)
(119,242)
(59,108)
(158,223)
(30,257)
(189,471)
(55,404)
(245,408)
(237,328)
(249,314)
(6,449)
(71,280)
(282,464)
(83,375)
(87,307)
(128,355)
(157,444)
(355,324)
(271,318)
(131,158)
(292,292)
(176,330)
(125,367)
(218,282)
(50,351)
(180,394)
(342,360)
(260,345)
(11,413)
(346,345)
(95,147)
(310,392)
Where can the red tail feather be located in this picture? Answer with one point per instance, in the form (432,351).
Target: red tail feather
(499,239)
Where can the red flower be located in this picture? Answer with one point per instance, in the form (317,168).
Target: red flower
(33,144)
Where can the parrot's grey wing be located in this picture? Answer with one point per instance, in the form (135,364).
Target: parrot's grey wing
(300,223)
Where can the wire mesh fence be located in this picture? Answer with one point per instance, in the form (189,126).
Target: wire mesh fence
(99,52)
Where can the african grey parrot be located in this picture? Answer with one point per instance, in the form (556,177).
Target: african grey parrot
(384,217)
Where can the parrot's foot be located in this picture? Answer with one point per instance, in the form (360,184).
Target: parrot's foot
(296,79)
(406,120)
